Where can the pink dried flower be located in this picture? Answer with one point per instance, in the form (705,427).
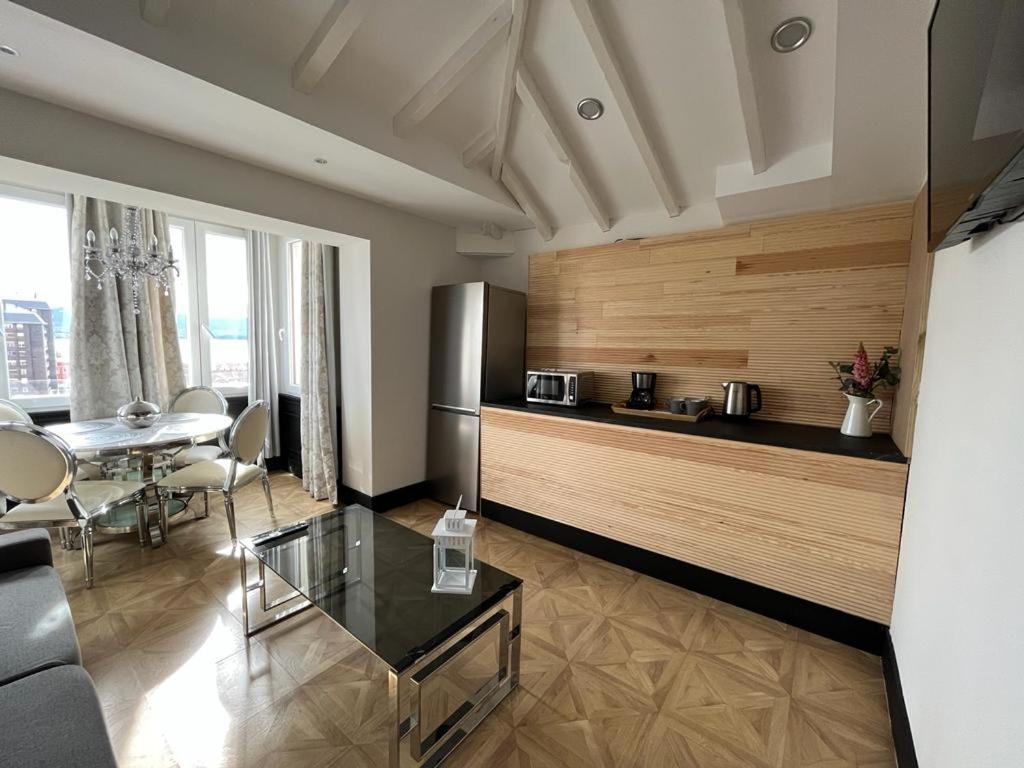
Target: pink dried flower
(860,377)
(861,369)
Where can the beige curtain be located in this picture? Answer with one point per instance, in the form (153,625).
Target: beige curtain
(263,335)
(117,355)
(319,473)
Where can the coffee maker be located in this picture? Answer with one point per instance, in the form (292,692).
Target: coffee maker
(642,396)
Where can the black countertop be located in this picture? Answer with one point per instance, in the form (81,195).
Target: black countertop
(800,437)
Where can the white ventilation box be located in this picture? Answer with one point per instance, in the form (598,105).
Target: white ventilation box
(484,245)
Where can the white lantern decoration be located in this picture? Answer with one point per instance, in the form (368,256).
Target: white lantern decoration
(454,534)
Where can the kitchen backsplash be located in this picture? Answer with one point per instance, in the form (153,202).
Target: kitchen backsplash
(769,302)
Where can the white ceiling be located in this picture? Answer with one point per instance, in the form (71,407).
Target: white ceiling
(842,119)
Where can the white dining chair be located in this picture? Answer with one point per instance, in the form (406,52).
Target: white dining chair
(13,412)
(37,476)
(243,465)
(87,469)
(198,400)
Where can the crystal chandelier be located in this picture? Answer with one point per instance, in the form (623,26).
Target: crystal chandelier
(127,260)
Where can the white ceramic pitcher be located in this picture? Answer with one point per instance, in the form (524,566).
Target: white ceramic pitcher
(859,415)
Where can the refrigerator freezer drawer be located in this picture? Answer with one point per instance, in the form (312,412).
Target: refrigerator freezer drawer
(453,458)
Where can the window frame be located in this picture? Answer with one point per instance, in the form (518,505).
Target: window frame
(37,403)
(199,308)
(289,380)
(190,260)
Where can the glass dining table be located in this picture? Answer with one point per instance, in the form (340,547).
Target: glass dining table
(103,442)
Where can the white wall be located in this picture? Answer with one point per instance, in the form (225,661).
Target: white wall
(401,347)
(355,379)
(958,618)
(408,254)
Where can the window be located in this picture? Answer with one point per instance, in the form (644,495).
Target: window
(211,301)
(182,235)
(212,312)
(35,298)
(294,257)
(227,309)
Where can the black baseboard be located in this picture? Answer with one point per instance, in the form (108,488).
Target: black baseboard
(276,463)
(902,738)
(836,625)
(289,412)
(352,496)
(237,404)
(388,500)
(46,418)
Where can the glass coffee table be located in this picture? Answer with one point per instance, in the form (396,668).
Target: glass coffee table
(373,577)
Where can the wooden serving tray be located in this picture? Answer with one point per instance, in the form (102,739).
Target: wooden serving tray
(661,414)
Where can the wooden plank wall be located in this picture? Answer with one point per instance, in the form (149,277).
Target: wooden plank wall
(915,318)
(768,302)
(814,525)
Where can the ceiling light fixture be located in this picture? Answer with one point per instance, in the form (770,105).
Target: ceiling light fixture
(126,257)
(590,109)
(791,34)
(320,161)
(8,50)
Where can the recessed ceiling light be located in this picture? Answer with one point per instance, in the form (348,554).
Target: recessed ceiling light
(590,109)
(319,161)
(791,34)
(8,50)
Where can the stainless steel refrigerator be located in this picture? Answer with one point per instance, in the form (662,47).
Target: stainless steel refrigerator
(477,353)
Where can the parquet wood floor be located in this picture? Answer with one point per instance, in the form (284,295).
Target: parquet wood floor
(619,670)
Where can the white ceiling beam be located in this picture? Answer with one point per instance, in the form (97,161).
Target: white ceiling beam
(461,63)
(534,101)
(745,83)
(326,44)
(479,148)
(154,11)
(508,84)
(606,59)
(526,201)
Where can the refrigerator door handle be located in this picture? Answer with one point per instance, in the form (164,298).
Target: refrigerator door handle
(453,409)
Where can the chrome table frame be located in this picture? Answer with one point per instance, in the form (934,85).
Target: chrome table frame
(427,749)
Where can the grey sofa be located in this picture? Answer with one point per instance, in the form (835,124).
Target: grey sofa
(49,712)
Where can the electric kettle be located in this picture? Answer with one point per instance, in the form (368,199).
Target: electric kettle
(739,398)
